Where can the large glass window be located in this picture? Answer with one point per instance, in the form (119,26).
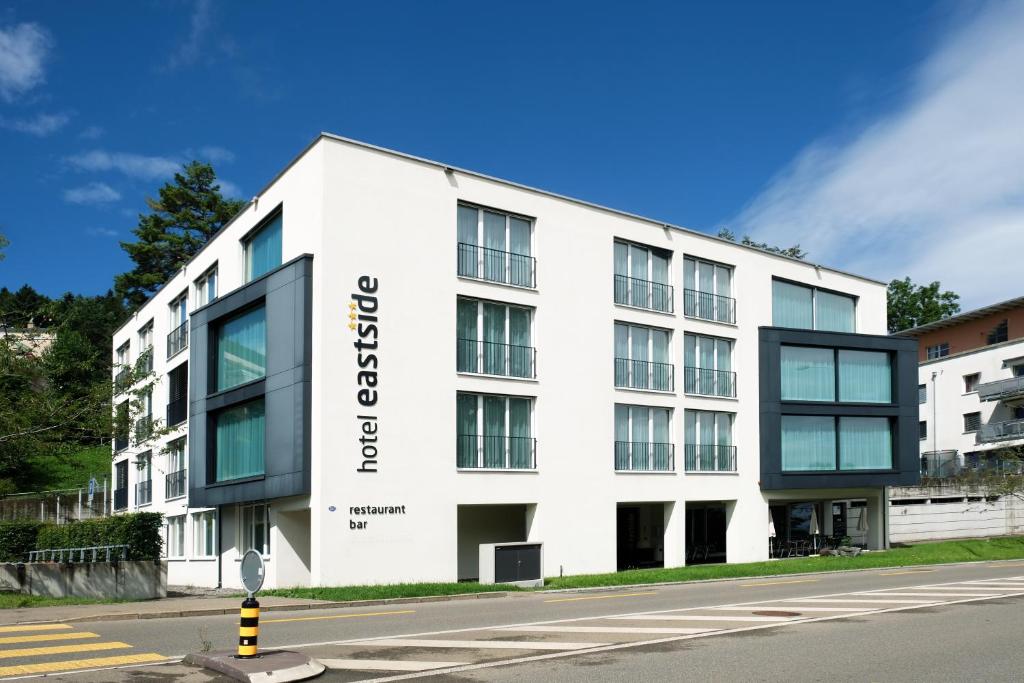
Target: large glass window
(642,441)
(833,312)
(708,366)
(494,339)
(642,277)
(865,376)
(242,349)
(708,291)
(865,443)
(810,308)
(495,246)
(263,249)
(176,536)
(254,531)
(808,373)
(808,443)
(204,534)
(494,432)
(709,441)
(240,441)
(642,358)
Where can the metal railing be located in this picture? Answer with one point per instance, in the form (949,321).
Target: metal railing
(121,499)
(93,552)
(144,492)
(631,291)
(644,456)
(122,379)
(493,358)
(143,428)
(121,440)
(495,265)
(708,306)
(643,374)
(709,458)
(707,382)
(940,464)
(177,340)
(174,484)
(177,411)
(475,451)
(1001,389)
(1001,431)
(144,364)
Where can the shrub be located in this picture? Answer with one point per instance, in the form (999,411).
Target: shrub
(140,531)
(17,539)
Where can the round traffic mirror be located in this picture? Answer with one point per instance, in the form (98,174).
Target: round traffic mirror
(251,571)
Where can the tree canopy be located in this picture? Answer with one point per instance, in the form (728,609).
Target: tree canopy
(793,252)
(911,305)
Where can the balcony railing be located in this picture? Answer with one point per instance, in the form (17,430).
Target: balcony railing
(174,484)
(475,451)
(644,456)
(144,363)
(642,374)
(1002,390)
(143,428)
(709,458)
(940,464)
(708,306)
(706,382)
(492,358)
(1001,431)
(121,499)
(144,492)
(122,380)
(631,291)
(493,265)
(121,441)
(177,411)
(177,340)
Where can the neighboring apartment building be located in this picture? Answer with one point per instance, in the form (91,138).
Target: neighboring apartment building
(383,362)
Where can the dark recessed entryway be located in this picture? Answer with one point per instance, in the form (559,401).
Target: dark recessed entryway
(640,535)
(705,533)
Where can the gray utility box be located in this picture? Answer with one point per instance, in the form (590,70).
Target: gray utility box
(520,564)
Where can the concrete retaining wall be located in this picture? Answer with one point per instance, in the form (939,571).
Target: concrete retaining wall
(946,513)
(141,580)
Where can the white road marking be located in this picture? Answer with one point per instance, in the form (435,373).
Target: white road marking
(697,617)
(933,595)
(385,664)
(625,630)
(787,608)
(479,644)
(904,601)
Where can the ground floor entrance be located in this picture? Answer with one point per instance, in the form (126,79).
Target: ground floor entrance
(640,535)
(705,532)
(479,524)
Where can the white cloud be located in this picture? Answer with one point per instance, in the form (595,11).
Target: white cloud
(933,189)
(229,189)
(23,52)
(200,22)
(216,155)
(134,165)
(40,125)
(101,232)
(91,133)
(92,193)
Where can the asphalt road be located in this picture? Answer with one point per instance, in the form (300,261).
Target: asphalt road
(939,623)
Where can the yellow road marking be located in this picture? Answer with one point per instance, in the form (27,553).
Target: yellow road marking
(601,597)
(907,571)
(71,664)
(33,627)
(74,635)
(777,583)
(60,649)
(337,616)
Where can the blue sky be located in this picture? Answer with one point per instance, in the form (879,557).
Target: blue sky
(855,129)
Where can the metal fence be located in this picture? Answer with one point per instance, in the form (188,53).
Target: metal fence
(56,506)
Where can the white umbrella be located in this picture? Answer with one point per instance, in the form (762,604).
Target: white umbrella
(862,523)
(771,528)
(814,522)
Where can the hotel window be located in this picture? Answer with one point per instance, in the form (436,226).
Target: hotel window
(812,443)
(242,349)
(494,339)
(144,424)
(144,487)
(240,441)
(642,358)
(177,395)
(263,249)
(145,364)
(642,439)
(937,351)
(922,393)
(809,374)
(255,529)
(175,482)
(204,534)
(495,246)
(709,442)
(176,536)
(810,308)
(707,292)
(971,382)
(972,422)
(642,277)
(122,354)
(206,287)
(922,430)
(708,366)
(177,338)
(494,432)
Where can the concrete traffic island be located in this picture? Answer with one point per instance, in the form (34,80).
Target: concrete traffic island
(270,666)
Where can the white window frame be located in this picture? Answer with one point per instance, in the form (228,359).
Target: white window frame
(146,337)
(717,414)
(968,389)
(650,429)
(508,330)
(201,287)
(199,535)
(172,522)
(650,353)
(246,536)
(650,274)
(936,351)
(814,302)
(508,225)
(178,311)
(695,287)
(124,354)
(480,430)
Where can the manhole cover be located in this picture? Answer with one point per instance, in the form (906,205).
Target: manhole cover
(776,613)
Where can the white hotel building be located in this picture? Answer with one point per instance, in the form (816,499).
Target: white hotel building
(383,362)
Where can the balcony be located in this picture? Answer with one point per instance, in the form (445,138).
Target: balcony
(642,374)
(120,442)
(177,340)
(708,306)
(1010,390)
(1000,431)
(144,364)
(143,428)
(940,464)
(493,265)
(144,493)
(175,484)
(492,358)
(122,380)
(655,296)
(709,458)
(177,411)
(475,451)
(121,499)
(643,456)
(705,382)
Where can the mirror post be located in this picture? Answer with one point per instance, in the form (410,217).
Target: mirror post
(251,571)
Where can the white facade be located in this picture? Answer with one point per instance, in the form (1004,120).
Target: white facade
(363,212)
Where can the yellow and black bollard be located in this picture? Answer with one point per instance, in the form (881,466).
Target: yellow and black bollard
(248,628)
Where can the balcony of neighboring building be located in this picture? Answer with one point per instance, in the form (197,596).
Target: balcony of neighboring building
(1009,391)
(995,432)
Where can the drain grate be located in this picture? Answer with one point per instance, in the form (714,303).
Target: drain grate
(776,613)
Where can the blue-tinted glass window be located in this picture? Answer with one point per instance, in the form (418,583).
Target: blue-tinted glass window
(263,250)
(242,349)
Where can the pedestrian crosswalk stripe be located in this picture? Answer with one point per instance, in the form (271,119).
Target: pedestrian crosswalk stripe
(480,644)
(33,627)
(954,588)
(932,595)
(895,601)
(625,630)
(386,664)
(74,635)
(698,617)
(73,664)
(756,608)
(60,649)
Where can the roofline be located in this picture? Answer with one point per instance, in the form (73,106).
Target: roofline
(974,314)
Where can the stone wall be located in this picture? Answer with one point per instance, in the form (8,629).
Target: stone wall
(139,580)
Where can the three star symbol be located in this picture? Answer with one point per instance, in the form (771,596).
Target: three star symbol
(352,315)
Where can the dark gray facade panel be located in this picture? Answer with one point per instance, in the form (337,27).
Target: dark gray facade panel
(287,294)
(903,410)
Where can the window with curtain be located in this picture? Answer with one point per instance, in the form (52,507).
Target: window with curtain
(708,446)
(809,308)
(494,339)
(206,287)
(833,312)
(494,432)
(865,376)
(263,249)
(176,536)
(254,531)
(807,373)
(495,246)
(708,291)
(808,443)
(865,443)
(240,441)
(642,358)
(204,534)
(642,277)
(242,349)
(642,438)
(708,366)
